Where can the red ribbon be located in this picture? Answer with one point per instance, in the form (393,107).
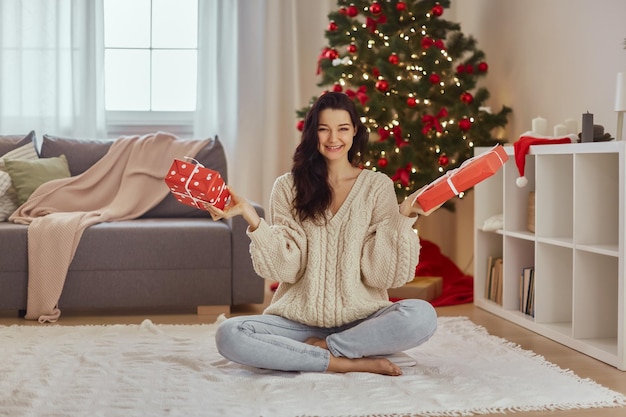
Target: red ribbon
(432,122)
(372,24)
(361,94)
(397,133)
(402,175)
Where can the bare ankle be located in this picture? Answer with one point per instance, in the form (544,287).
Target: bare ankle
(316,341)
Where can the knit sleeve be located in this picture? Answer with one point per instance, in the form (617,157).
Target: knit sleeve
(391,247)
(279,250)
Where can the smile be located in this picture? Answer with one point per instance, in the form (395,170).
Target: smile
(334,148)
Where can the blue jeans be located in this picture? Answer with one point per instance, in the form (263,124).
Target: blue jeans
(274,342)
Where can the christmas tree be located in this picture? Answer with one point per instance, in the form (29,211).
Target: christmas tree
(413,75)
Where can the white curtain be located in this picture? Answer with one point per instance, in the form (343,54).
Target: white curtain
(51,57)
(259,70)
(216,108)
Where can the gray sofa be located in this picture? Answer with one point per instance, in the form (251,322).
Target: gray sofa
(174,256)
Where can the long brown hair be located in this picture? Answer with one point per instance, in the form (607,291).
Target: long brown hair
(310,172)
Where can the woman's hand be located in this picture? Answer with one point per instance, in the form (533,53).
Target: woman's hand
(407,208)
(236,206)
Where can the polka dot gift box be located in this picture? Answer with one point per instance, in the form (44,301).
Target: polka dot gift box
(193,184)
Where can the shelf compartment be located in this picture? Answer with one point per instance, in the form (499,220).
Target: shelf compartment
(487,244)
(553,281)
(491,198)
(596,298)
(554,197)
(518,254)
(516,198)
(596,199)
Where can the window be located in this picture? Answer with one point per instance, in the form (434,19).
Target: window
(150,63)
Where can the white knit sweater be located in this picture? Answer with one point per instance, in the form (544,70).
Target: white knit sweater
(335,273)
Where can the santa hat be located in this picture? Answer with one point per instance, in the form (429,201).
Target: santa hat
(528,139)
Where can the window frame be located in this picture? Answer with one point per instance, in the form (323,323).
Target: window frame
(131,122)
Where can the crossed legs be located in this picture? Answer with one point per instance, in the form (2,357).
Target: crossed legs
(273,342)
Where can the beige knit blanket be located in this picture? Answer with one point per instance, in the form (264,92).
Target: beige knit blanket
(124,184)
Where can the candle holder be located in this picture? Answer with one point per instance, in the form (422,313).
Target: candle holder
(620,103)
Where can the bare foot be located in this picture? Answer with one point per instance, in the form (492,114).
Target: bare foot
(380,366)
(316,341)
(373,365)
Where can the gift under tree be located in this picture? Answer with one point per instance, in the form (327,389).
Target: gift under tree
(413,75)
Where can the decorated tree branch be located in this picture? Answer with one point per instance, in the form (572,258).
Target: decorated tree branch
(413,75)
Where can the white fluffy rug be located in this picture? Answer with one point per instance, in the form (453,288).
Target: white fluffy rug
(165,370)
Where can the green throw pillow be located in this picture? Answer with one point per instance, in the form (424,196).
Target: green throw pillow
(28,174)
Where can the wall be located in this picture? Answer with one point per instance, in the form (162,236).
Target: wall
(554,58)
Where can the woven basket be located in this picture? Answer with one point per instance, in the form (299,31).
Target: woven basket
(531,212)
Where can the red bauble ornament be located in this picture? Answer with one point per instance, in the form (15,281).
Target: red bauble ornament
(465,124)
(332,26)
(483,67)
(352,48)
(382,162)
(300,125)
(332,54)
(469,68)
(343,11)
(434,78)
(439,44)
(401,6)
(382,85)
(352,10)
(427,42)
(337,88)
(460,69)
(443,160)
(376,8)
(411,102)
(437,10)
(394,59)
(467,98)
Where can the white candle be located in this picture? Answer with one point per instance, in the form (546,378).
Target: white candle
(572,126)
(540,126)
(560,130)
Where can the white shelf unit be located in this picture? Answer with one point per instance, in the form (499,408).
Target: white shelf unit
(577,248)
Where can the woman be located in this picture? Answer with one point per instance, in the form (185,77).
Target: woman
(338,240)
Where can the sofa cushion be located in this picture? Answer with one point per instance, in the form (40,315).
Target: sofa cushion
(81,154)
(15,148)
(212,156)
(10,142)
(27,175)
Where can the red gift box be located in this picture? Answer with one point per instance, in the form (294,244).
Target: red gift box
(194,185)
(455,181)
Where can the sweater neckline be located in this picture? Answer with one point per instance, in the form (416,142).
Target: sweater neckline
(348,201)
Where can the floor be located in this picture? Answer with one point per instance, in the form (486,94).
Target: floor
(580,364)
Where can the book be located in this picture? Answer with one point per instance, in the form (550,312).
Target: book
(527,290)
(488,278)
(499,287)
(493,280)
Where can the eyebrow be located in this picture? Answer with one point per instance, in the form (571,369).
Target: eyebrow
(342,124)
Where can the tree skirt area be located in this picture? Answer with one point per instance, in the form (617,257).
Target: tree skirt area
(457,287)
(175,370)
